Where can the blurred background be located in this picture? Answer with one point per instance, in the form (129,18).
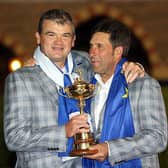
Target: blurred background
(147,20)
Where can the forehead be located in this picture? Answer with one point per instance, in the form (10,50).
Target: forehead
(52,25)
(100,37)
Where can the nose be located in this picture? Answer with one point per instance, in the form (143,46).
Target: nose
(92,51)
(58,39)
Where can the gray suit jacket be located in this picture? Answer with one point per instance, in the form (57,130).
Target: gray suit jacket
(150,124)
(30,117)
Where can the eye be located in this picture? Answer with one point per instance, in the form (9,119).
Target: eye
(90,46)
(50,34)
(67,35)
(99,45)
(96,46)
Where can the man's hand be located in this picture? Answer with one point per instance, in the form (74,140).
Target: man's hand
(132,71)
(102,153)
(30,62)
(77,124)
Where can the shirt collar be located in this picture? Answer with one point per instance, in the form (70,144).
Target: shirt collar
(100,81)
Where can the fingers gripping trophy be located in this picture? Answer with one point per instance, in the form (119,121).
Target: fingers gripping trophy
(81,91)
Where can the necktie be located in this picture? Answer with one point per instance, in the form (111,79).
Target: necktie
(66,106)
(67,80)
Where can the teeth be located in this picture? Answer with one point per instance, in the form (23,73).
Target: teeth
(57,48)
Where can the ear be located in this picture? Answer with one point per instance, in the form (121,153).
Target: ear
(37,35)
(73,41)
(118,51)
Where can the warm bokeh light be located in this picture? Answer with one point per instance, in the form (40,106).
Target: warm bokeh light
(15,64)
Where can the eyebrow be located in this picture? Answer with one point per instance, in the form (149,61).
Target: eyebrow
(66,33)
(49,32)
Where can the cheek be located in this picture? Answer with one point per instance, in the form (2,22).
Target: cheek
(44,42)
(68,45)
(46,47)
(108,59)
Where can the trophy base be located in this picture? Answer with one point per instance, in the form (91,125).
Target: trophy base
(82,143)
(81,152)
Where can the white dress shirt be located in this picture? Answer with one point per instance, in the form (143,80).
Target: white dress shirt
(100,98)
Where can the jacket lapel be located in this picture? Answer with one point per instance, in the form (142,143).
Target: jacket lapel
(47,85)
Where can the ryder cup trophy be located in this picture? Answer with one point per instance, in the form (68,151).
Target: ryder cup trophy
(81,91)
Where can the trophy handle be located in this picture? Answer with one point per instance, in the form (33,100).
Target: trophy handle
(60,90)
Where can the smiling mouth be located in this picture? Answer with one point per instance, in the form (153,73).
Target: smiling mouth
(57,48)
(94,61)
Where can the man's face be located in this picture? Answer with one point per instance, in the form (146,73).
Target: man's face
(56,41)
(102,55)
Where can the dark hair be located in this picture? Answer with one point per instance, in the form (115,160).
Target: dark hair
(59,16)
(119,33)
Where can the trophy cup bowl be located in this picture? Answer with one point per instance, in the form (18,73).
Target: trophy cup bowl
(81,91)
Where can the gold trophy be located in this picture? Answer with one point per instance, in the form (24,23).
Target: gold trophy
(81,91)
